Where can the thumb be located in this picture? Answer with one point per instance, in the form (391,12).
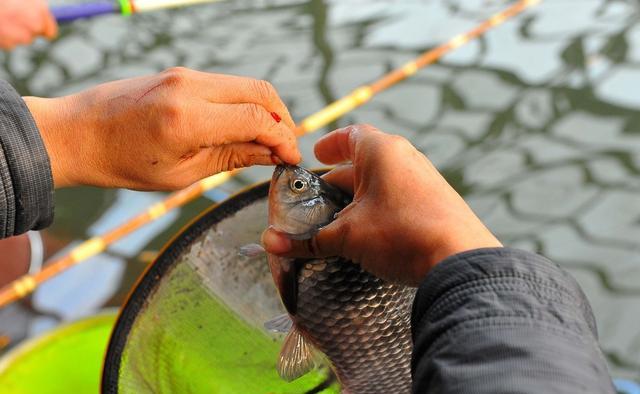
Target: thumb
(327,242)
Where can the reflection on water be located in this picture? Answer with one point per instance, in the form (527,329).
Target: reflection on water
(535,123)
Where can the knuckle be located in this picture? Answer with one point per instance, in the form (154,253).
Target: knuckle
(396,139)
(398,142)
(227,159)
(243,160)
(174,76)
(235,160)
(265,90)
(366,127)
(171,112)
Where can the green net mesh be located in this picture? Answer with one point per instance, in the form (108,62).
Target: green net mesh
(194,323)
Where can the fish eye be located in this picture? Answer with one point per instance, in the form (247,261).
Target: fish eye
(298,185)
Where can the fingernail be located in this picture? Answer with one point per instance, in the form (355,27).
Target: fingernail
(275,243)
(276,117)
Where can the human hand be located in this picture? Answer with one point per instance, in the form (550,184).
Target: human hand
(404,218)
(23,20)
(164,131)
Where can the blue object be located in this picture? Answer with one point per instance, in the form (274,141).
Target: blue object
(216,195)
(626,386)
(68,13)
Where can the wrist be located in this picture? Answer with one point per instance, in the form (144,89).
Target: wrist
(59,124)
(464,241)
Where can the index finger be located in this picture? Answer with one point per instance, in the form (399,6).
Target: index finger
(339,146)
(223,124)
(231,89)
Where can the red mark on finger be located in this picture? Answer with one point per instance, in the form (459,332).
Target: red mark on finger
(276,117)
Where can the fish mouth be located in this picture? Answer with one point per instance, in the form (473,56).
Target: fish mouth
(276,175)
(278,171)
(281,169)
(273,188)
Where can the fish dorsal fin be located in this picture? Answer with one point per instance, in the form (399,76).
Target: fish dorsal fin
(251,250)
(281,324)
(296,356)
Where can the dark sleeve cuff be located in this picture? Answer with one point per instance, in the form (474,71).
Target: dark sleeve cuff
(504,320)
(26,189)
(503,271)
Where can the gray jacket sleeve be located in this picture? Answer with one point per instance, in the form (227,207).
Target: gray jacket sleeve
(26,183)
(497,321)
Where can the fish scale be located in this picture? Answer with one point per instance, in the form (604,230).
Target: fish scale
(360,323)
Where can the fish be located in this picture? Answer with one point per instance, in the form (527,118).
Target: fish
(359,322)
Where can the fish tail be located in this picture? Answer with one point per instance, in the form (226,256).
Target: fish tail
(296,356)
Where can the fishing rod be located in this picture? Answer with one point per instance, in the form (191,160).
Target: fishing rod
(70,13)
(28,283)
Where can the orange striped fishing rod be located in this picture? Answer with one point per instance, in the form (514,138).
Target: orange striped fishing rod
(27,284)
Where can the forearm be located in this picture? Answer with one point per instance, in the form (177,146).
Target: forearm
(26,190)
(503,320)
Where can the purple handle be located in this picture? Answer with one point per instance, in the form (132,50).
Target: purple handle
(68,13)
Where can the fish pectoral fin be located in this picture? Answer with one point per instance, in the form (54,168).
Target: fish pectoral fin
(296,356)
(251,250)
(281,324)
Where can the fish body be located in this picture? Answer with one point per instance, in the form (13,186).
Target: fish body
(358,321)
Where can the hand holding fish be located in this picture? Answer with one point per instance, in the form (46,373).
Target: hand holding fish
(164,131)
(23,20)
(403,210)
